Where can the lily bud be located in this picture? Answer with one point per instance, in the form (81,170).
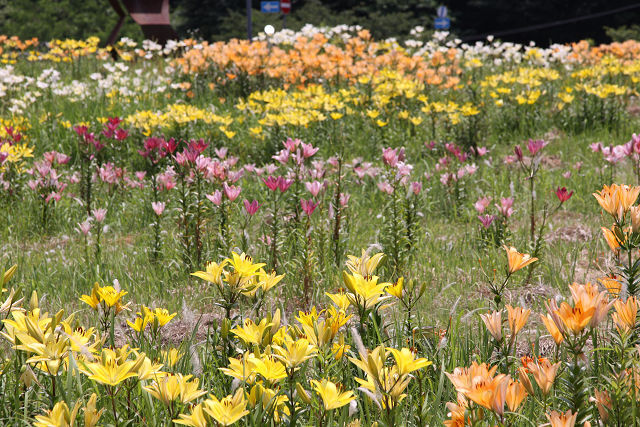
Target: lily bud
(9,274)
(226,327)
(33,302)
(91,413)
(27,377)
(303,394)
(493,322)
(635,218)
(524,380)
(276,322)
(138,362)
(518,152)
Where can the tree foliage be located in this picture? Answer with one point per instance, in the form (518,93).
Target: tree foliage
(223,19)
(61,19)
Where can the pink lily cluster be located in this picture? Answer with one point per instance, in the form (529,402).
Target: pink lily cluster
(505,208)
(110,131)
(616,153)
(297,150)
(453,163)
(47,182)
(398,172)
(155,149)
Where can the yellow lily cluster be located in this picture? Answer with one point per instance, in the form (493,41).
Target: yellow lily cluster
(16,155)
(224,412)
(61,416)
(362,288)
(171,387)
(385,382)
(49,342)
(174,116)
(157,318)
(245,278)
(263,371)
(322,328)
(67,50)
(105,298)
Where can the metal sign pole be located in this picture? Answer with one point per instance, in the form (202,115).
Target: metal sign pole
(249,29)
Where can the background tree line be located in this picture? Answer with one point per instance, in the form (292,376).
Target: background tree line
(223,19)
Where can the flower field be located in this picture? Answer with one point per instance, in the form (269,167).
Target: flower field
(319,229)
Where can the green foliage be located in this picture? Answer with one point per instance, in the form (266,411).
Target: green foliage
(625,32)
(62,19)
(224,19)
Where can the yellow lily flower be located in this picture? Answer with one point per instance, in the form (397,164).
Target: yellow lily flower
(332,398)
(241,368)
(196,418)
(110,369)
(171,356)
(94,299)
(397,289)
(228,410)
(162,316)
(267,281)
(243,264)
(406,361)
(110,295)
(340,300)
(175,386)
(295,353)
(365,265)
(213,272)
(50,355)
(91,414)
(7,275)
(269,368)
(59,416)
(147,370)
(252,333)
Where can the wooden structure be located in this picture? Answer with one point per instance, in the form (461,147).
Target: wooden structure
(151,15)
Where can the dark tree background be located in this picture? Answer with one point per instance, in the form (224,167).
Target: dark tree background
(223,19)
(60,19)
(479,17)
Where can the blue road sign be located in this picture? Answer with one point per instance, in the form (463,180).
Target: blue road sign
(441,11)
(270,6)
(442,23)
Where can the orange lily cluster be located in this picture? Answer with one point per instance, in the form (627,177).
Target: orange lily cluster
(583,52)
(316,58)
(480,384)
(14,42)
(617,201)
(590,307)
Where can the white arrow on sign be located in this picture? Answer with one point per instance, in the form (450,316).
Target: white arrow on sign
(441,11)
(269,6)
